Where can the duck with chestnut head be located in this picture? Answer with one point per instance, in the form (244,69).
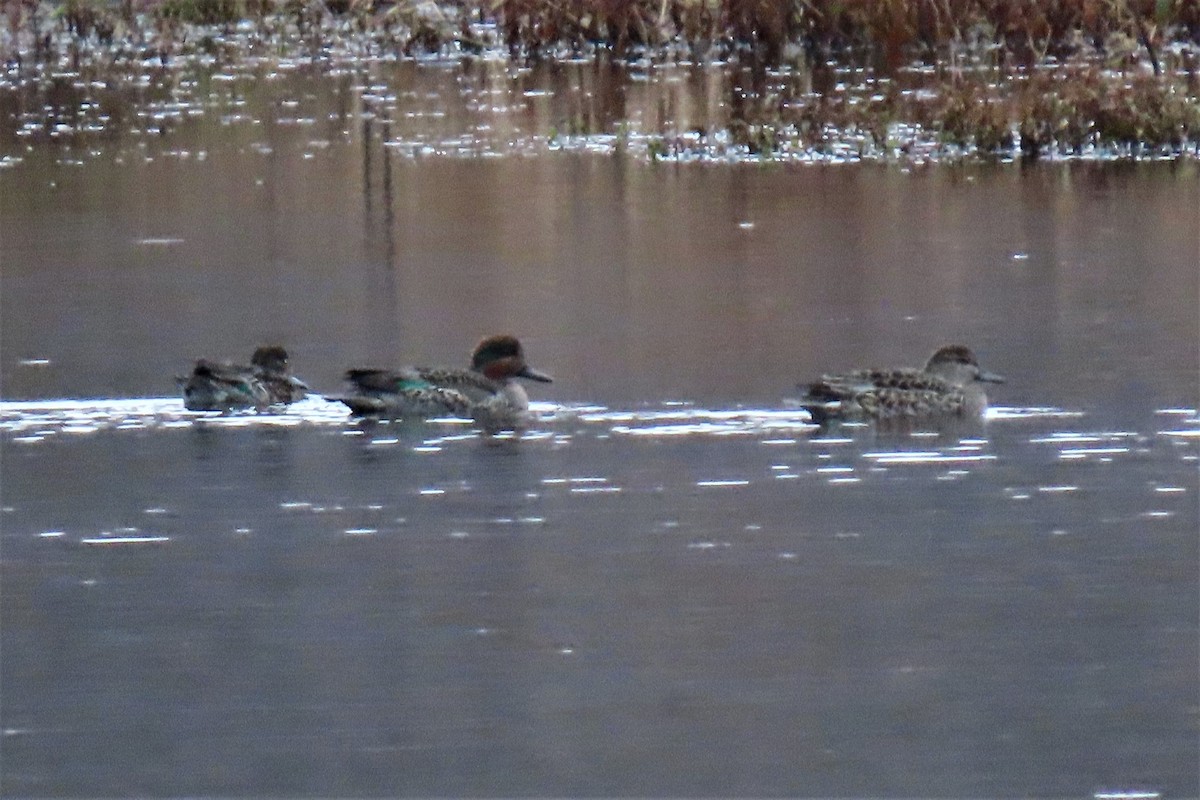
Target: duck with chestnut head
(487,391)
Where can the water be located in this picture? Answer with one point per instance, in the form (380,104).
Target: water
(675,585)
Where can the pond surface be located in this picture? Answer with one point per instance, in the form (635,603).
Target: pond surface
(675,585)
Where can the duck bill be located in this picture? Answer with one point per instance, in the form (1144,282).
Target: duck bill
(533,375)
(989,377)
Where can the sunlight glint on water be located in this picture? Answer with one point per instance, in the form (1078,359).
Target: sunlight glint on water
(38,419)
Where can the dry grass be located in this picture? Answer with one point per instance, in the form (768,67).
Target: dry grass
(1123,76)
(1061,112)
(893,30)
(890,31)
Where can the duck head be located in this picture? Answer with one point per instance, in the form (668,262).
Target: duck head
(271,359)
(502,357)
(957,364)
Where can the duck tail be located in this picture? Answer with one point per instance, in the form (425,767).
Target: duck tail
(822,400)
(360,405)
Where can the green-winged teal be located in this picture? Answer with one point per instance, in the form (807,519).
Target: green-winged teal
(220,386)
(949,385)
(487,392)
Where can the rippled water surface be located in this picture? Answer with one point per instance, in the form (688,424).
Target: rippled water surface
(674,584)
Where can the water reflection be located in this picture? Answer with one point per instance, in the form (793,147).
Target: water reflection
(465,107)
(35,420)
(853,454)
(438,601)
(645,595)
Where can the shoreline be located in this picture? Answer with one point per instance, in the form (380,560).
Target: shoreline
(1130,97)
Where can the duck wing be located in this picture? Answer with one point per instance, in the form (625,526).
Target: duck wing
(222,371)
(474,385)
(900,379)
(284,388)
(401,393)
(215,386)
(879,393)
(377,381)
(885,402)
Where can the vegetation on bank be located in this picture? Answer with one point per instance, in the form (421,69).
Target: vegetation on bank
(1006,77)
(1025,31)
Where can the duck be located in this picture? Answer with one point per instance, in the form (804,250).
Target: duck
(486,392)
(222,386)
(948,386)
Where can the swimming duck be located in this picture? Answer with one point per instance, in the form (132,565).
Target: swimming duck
(486,392)
(219,386)
(949,385)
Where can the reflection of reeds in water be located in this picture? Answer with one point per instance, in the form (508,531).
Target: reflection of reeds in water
(1068,110)
(994,76)
(1063,111)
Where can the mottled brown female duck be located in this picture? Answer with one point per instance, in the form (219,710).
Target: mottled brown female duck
(220,386)
(949,385)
